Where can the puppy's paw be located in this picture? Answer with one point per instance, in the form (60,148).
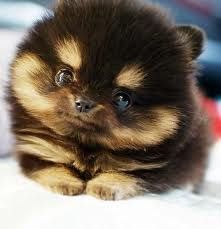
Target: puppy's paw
(59,180)
(68,188)
(114,186)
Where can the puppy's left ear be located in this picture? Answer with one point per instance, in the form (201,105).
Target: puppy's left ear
(193,37)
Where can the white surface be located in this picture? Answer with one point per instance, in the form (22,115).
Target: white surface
(25,205)
(8,43)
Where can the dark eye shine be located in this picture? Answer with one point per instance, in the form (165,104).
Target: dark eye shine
(64,77)
(122,101)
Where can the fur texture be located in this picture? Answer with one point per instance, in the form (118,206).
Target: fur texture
(141,127)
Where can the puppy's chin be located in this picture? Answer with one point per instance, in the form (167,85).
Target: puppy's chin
(86,127)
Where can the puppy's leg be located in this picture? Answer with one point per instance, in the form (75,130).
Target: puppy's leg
(54,177)
(114,186)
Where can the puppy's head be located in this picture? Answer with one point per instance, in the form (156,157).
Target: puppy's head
(109,72)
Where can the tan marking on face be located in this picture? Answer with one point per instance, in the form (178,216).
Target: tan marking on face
(114,186)
(25,82)
(58,179)
(150,131)
(69,52)
(44,149)
(130,77)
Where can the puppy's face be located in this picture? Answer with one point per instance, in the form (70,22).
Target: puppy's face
(114,73)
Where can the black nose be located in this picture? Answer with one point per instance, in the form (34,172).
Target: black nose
(83,105)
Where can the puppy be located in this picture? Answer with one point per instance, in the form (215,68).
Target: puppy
(104,101)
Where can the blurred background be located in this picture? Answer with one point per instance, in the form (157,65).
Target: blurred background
(17,15)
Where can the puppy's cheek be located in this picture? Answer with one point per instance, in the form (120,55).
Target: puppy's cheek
(59,117)
(161,125)
(111,120)
(58,125)
(30,76)
(30,79)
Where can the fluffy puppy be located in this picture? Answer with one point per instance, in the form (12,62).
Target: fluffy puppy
(104,101)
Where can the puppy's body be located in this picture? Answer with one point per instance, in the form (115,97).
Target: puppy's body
(104,101)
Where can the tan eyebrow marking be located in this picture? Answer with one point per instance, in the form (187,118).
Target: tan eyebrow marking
(131,76)
(69,52)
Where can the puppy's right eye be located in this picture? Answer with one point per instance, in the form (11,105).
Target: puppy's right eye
(64,77)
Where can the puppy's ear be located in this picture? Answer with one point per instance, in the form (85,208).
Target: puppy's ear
(193,37)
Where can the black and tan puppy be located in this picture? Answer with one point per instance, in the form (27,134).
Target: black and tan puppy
(104,101)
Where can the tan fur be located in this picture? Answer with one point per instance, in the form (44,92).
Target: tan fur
(48,151)
(59,179)
(164,125)
(114,186)
(69,52)
(44,149)
(130,77)
(51,120)
(26,70)
(53,152)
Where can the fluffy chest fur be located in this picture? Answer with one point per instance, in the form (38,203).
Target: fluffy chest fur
(87,159)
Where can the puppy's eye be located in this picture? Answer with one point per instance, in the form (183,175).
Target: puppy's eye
(64,77)
(122,101)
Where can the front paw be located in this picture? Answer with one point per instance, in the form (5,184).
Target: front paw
(66,188)
(113,186)
(59,180)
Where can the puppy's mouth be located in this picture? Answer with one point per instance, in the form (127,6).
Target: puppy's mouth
(86,125)
(83,123)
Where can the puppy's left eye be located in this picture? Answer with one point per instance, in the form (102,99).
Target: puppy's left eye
(122,101)
(64,77)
